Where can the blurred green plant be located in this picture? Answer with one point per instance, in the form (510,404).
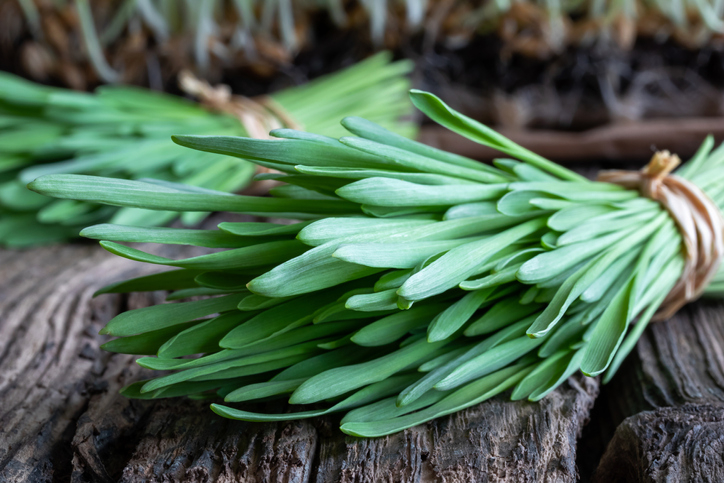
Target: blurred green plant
(125,132)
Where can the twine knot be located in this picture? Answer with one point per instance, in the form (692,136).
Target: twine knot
(697,217)
(258,115)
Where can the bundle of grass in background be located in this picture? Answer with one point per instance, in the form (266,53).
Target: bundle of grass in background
(419,283)
(125,132)
(147,40)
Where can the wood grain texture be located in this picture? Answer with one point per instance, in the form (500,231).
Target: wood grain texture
(50,363)
(668,444)
(617,141)
(496,441)
(669,398)
(62,419)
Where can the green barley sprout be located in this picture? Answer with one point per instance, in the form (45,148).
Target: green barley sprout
(413,283)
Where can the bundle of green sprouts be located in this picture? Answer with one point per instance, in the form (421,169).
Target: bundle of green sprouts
(416,284)
(125,132)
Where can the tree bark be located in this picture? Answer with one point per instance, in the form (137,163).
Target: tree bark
(670,399)
(62,419)
(668,444)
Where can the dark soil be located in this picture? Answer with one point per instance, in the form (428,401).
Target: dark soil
(581,88)
(576,90)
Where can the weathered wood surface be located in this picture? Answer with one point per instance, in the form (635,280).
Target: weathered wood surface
(671,394)
(61,418)
(668,444)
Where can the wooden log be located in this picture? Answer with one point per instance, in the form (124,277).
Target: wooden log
(498,441)
(622,141)
(671,394)
(62,419)
(668,444)
(50,362)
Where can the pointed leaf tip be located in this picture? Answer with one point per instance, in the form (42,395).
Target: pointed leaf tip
(180,139)
(38,184)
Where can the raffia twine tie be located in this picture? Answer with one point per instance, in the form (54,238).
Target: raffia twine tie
(258,115)
(697,217)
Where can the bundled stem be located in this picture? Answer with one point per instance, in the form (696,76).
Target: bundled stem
(125,132)
(418,283)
